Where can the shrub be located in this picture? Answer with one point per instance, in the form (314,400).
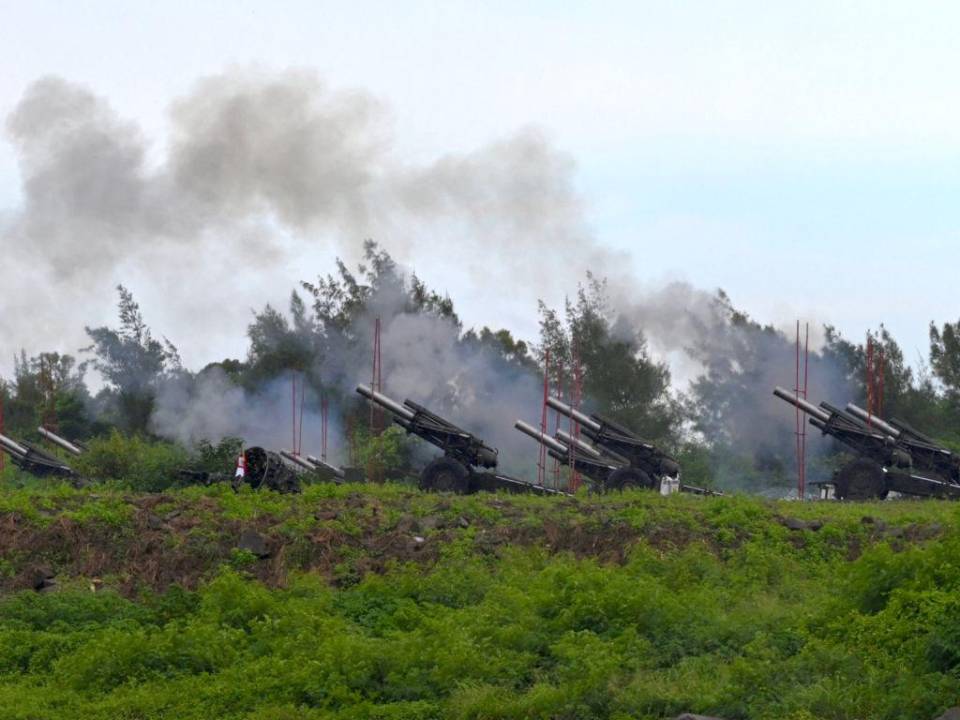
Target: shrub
(133,462)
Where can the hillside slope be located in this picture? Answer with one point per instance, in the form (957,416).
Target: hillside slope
(382,602)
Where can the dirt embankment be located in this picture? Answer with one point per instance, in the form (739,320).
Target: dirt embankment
(136,542)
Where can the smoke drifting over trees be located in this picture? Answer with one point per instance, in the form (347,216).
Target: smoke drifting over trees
(257,168)
(260,167)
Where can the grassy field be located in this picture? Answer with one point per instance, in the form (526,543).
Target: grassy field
(382,602)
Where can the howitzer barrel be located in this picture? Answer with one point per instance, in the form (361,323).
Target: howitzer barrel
(542,438)
(327,466)
(297,460)
(383,401)
(879,423)
(573,414)
(580,446)
(57,440)
(12,446)
(809,408)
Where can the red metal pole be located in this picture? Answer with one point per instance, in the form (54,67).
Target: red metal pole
(293,411)
(576,398)
(323,427)
(2,455)
(542,456)
(803,434)
(376,380)
(300,428)
(879,379)
(559,396)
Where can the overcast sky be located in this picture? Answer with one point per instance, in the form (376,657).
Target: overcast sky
(802,156)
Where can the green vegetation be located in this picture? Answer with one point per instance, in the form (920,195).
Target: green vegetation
(382,602)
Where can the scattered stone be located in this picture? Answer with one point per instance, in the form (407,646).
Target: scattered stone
(798,524)
(430,522)
(463,522)
(951,714)
(419,540)
(154,522)
(42,578)
(171,515)
(254,542)
(926,532)
(877,523)
(406,523)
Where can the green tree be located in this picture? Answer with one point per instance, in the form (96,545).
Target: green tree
(907,395)
(48,387)
(620,379)
(133,363)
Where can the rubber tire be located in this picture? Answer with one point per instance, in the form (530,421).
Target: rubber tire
(860,479)
(628,477)
(445,475)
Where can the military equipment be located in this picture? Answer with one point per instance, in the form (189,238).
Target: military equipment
(929,459)
(641,464)
(323,465)
(262,469)
(301,462)
(33,460)
(578,455)
(596,465)
(322,469)
(903,461)
(463,452)
(73,448)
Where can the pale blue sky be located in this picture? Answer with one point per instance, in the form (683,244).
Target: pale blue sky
(721,143)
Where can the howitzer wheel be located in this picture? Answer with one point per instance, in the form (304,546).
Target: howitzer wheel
(860,479)
(445,475)
(628,477)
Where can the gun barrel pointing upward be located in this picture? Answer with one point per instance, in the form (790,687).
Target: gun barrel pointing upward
(574,414)
(861,414)
(555,445)
(57,440)
(323,464)
(809,408)
(585,448)
(385,402)
(12,446)
(297,460)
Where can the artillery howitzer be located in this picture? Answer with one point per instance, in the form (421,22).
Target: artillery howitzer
(262,468)
(463,453)
(606,469)
(888,457)
(71,446)
(313,464)
(638,462)
(31,459)
(570,451)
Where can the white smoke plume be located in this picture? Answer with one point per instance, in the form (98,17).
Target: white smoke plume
(258,168)
(261,167)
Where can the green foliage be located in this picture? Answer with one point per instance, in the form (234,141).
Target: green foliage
(620,379)
(217,458)
(132,362)
(389,449)
(132,461)
(743,619)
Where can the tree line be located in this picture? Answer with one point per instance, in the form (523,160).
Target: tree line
(325,335)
